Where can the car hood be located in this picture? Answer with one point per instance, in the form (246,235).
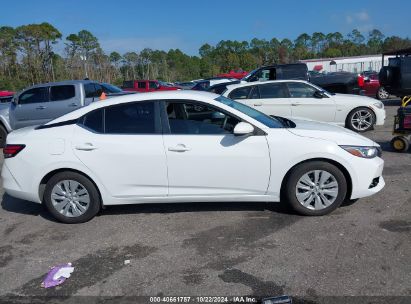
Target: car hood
(354,98)
(325,131)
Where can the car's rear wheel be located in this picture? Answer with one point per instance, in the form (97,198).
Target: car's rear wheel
(361,119)
(3,136)
(382,93)
(315,188)
(71,197)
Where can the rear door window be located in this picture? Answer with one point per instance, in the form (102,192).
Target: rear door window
(62,92)
(36,95)
(141,84)
(240,93)
(132,118)
(273,90)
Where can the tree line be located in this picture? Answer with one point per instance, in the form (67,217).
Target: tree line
(27,55)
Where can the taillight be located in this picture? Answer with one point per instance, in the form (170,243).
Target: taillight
(12,150)
(360,81)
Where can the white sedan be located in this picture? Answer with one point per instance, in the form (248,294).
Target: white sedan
(297,98)
(186,146)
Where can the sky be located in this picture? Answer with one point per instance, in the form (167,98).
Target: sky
(127,25)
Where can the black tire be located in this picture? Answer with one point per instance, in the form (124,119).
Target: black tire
(351,125)
(382,94)
(386,75)
(400,144)
(3,136)
(94,202)
(304,168)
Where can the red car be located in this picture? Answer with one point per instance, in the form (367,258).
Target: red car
(6,96)
(369,82)
(146,86)
(239,74)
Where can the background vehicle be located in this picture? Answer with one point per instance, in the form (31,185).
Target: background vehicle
(6,96)
(396,77)
(221,87)
(370,83)
(238,74)
(278,72)
(203,85)
(314,166)
(146,86)
(338,82)
(296,98)
(112,90)
(43,102)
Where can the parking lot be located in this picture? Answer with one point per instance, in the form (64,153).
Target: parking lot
(215,249)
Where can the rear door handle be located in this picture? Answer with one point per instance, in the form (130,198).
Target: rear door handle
(86,147)
(40,108)
(258,103)
(295,104)
(73,105)
(179,148)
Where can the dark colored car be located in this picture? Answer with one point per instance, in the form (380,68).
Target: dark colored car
(112,90)
(338,82)
(298,71)
(221,87)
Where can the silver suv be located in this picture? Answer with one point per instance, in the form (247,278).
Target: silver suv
(41,103)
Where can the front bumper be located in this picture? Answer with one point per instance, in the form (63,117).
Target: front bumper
(365,183)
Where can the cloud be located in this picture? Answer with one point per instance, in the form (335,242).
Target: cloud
(363,16)
(360,20)
(128,44)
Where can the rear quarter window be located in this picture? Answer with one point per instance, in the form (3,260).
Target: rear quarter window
(94,121)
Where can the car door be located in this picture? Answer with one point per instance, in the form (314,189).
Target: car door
(30,108)
(127,154)
(305,104)
(63,99)
(204,157)
(271,99)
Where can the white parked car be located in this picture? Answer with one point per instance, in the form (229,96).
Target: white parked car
(186,146)
(297,98)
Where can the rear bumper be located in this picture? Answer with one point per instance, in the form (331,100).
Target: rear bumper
(13,188)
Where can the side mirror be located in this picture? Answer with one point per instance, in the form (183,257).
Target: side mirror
(243,128)
(14,100)
(318,94)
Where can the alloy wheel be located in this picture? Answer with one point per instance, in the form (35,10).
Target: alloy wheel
(382,93)
(317,189)
(362,120)
(70,198)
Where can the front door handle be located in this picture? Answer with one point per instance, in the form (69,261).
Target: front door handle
(179,148)
(40,108)
(295,104)
(86,147)
(258,103)
(73,105)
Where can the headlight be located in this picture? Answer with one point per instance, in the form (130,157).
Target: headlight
(379,105)
(364,152)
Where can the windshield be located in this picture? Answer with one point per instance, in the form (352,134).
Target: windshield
(257,115)
(109,88)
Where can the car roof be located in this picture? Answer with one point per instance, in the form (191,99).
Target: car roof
(163,95)
(64,82)
(246,84)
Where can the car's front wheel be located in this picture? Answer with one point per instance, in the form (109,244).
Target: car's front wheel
(315,188)
(361,119)
(71,197)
